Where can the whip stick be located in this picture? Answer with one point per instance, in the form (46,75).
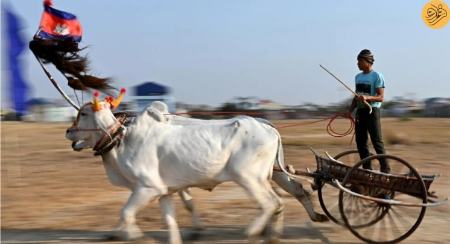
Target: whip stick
(346,86)
(56,85)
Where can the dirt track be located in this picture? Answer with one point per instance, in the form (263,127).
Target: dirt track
(51,194)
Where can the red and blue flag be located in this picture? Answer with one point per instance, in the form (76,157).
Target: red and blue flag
(57,24)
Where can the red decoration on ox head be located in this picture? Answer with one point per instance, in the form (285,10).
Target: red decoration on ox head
(114,103)
(96,106)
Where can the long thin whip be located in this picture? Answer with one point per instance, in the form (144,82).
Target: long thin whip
(346,86)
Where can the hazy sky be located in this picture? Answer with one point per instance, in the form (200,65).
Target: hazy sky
(211,51)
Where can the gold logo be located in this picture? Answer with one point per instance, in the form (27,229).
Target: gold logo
(436,14)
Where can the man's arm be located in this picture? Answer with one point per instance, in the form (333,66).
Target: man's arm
(377,98)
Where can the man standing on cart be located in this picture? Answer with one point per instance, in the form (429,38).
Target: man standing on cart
(370,89)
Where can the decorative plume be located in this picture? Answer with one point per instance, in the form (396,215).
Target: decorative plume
(64,54)
(96,106)
(116,102)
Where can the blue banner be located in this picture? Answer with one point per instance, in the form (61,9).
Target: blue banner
(14,46)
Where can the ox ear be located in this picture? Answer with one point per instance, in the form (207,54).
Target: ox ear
(155,114)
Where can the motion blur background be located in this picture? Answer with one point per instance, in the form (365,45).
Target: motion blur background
(255,57)
(252,54)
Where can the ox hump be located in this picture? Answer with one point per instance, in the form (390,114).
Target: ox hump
(162,107)
(157,110)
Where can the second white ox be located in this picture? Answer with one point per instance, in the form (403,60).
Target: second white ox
(156,158)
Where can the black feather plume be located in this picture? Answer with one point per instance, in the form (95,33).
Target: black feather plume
(64,54)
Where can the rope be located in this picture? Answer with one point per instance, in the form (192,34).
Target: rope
(218,113)
(76,96)
(330,130)
(350,129)
(301,123)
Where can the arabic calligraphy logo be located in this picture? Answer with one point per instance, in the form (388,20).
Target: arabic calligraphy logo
(435,14)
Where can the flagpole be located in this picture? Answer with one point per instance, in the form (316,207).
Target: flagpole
(56,84)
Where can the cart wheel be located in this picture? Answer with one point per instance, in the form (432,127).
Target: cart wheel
(375,222)
(329,194)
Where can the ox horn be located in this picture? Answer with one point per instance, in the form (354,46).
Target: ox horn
(96,103)
(116,102)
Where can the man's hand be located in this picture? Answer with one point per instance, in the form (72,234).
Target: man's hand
(362,98)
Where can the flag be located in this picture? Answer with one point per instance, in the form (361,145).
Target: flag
(57,24)
(14,46)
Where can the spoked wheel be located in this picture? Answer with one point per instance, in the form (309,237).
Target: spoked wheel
(329,194)
(376,222)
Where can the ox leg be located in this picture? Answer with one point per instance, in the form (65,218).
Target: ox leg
(168,213)
(296,189)
(128,230)
(188,202)
(277,220)
(260,191)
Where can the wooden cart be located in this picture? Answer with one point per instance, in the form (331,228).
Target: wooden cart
(376,207)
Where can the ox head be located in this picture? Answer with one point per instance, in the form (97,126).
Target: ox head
(93,121)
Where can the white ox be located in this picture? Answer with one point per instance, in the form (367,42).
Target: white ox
(157,157)
(281,178)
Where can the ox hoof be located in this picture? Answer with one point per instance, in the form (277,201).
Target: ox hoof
(255,235)
(318,217)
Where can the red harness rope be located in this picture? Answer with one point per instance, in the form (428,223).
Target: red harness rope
(349,131)
(220,113)
(332,132)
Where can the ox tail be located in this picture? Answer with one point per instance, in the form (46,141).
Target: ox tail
(280,161)
(280,154)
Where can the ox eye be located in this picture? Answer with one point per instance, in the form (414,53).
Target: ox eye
(82,114)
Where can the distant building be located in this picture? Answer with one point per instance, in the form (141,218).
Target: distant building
(148,92)
(44,110)
(245,103)
(437,107)
(402,106)
(266,108)
(255,103)
(266,104)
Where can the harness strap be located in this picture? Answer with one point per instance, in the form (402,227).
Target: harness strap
(105,147)
(112,138)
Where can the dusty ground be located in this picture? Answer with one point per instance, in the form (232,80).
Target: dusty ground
(51,194)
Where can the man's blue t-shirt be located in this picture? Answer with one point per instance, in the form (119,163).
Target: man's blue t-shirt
(367,84)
